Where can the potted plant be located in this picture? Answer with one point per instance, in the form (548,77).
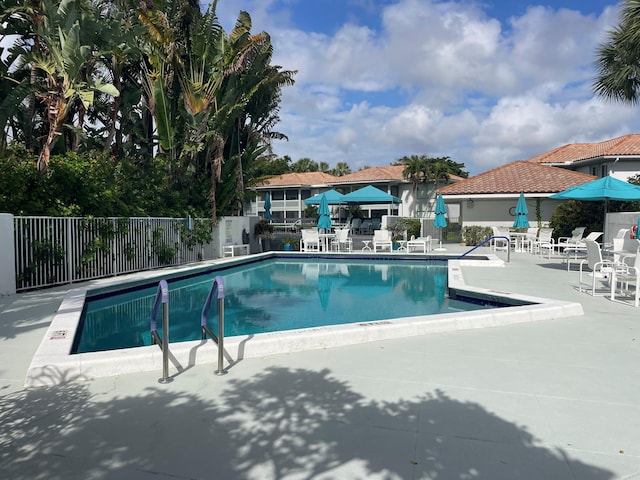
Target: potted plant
(289,244)
(264,231)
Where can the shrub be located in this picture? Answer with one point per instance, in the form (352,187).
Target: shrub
(475,234)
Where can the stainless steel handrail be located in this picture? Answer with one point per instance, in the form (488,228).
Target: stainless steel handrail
(487,241)
(162,297)
(218,285)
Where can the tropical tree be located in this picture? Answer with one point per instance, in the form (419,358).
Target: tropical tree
(618,59)
(305,165)
(424,170)
(62,64)
(342,168)
(157,84)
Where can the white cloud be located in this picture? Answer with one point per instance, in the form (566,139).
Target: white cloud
(440,78)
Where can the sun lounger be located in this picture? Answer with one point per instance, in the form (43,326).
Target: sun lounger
(421,243)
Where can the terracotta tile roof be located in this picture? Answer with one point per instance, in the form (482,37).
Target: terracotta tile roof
(368,175)
(620,146)
(516,177)
(297,179)
(373,174)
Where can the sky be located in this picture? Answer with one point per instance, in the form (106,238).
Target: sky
(483,82)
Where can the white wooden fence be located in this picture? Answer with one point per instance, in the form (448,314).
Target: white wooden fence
(51,251)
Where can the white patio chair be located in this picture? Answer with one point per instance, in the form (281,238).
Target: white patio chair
(499,243)
(622,233)
(530,239)
(382,240)
(600,269)
(544,242)
(342,240)
(579,251)
(310,241)
(630,274)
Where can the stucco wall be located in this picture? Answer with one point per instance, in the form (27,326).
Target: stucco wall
(501,212)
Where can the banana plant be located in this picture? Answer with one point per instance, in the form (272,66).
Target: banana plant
(62,65)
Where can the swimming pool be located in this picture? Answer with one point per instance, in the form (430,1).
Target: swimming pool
(275,295)
(54,363)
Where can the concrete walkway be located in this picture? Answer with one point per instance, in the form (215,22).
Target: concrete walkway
(545,400)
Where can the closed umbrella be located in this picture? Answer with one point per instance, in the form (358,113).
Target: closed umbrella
(440,221)
(325,214)
(324,221)
(267,206)
(522,211)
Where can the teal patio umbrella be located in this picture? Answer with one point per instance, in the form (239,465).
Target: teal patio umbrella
(370,195)
(333,198)
(605,188)
(440,221)
(522,211)
(267,206)
(325,214)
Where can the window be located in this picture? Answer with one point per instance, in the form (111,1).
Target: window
(305,194)
(277,195)
(292,194)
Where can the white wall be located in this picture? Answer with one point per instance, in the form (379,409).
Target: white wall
(615,221)
(501,212)
(230,232)
(7,255)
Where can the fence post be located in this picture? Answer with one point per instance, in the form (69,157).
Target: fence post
(7,255)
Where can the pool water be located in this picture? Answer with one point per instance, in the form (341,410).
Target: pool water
(273,295)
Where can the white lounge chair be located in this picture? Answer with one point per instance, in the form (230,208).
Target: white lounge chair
(382,240)
(573,240)
(421,243)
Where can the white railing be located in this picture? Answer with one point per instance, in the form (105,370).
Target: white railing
(52,251)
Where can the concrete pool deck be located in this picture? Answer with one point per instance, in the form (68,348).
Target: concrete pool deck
(548,399)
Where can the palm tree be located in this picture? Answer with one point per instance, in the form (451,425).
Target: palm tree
(415,172)
(305,165)
(618,60)
(342,168)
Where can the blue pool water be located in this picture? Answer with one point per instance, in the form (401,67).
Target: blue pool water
(273,295)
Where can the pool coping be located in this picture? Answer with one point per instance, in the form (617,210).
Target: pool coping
(53,364)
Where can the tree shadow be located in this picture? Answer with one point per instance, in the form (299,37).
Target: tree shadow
(25,312)
(279,424)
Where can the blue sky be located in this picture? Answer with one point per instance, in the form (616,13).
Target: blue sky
(485,83)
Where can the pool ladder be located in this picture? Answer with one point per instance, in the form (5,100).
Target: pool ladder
(162,298)
(218,286)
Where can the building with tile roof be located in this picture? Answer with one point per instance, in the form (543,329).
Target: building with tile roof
(288,191)
(489,198)
(486,199)
(619,157)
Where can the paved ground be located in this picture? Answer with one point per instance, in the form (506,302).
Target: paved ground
(546,400)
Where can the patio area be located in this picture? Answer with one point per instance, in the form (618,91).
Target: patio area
(551,399)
